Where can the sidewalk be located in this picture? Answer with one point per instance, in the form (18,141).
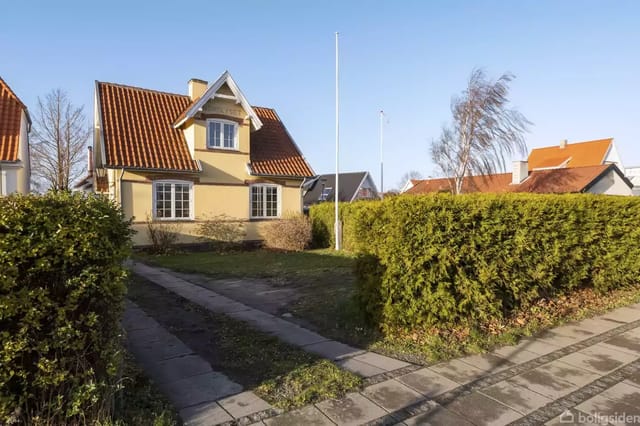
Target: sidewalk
(591,368)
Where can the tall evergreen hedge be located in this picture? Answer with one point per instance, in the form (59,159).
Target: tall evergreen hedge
(443,259)
(62,286)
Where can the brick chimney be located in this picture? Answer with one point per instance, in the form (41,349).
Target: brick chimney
(196,88)
(520,172)
(563,144)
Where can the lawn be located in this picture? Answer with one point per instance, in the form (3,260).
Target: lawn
(325,282)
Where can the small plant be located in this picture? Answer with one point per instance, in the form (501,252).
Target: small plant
(292,233)
(222,231)
(163,236)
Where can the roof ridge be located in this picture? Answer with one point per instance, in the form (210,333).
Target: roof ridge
(575,143)
(144,89)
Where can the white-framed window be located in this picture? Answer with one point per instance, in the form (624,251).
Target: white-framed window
(265,201)
(173,200)
(325,193)
(222,134)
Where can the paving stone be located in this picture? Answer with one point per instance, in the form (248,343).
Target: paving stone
(381,361)
(353,409)
(556,339)
(622,314)
(361,368)
(296,335)
(598,358)
(620,399)
(574,375)
(516,354)
(539,347)
(458,371)
(221,304)
(428,382)
(625,342)
(333,350)
(258,319)
(574,329)
(177,368)
(243,404)
(487,362)
(634,378)
(516,397)
(208,413)
(598,325)
(438,416)
(308,415)
(392,395)
(544,383)
(198,389)
(573,417)
(483,410)
(166,347)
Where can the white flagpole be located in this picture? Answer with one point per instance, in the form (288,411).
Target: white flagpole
(337,234)
(381,158)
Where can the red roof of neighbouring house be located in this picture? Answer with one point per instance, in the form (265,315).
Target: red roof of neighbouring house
(11,108)
(138,133)
(564,180)
(578,154)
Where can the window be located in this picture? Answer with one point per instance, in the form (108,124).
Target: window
(325,194)
(222,134)
(265,201)
(172,200)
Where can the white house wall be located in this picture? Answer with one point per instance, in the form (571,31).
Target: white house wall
(611,184)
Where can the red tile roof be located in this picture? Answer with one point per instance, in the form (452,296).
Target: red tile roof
(137,130)
(273,151)
(10,115)
(565,180)
(138,133)
(578,154)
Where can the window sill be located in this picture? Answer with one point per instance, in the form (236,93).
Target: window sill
(264,219)
(218,149)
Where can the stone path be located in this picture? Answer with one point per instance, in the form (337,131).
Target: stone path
(585,372)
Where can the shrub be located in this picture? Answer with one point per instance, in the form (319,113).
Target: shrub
(222,231)
(163,235)
(61,297)
(292,233)
(442,259)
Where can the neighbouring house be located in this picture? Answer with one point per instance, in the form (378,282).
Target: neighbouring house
(633,174)
(181,159)
(577,154)
(86,184)
(352,186)
(410,184)
(15,125)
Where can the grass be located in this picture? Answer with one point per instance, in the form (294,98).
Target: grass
(325,281)
(283,375)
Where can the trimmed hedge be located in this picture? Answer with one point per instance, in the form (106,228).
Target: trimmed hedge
(443,259)
(62,286)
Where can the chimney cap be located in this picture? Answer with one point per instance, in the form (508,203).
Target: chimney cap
(198,80)
(563,143)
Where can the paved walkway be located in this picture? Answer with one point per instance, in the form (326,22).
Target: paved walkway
(585,372)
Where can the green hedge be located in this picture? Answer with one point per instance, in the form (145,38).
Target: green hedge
(62,287)
(443,259)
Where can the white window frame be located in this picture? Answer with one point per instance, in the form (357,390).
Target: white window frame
(223,122)
(264,204)
(173,199)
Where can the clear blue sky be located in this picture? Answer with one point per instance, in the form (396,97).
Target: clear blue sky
(576,62)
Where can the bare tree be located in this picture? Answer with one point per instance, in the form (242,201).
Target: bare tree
(411,174)
(60,133)
(484,131)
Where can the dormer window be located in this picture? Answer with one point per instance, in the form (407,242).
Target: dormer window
(222,134)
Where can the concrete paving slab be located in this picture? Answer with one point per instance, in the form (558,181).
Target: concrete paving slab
(208,413)
(600,359)
(487,362)
(619,400)
(258,319)
(166,347)
(598,325)
(198,389)
(572,374)
(381,361)
(333,350)
(573,417)
(483,410)
(574,329)
(634,378)
(539,347)
(544,383)
(243,404)
(458,371)
(360,368)
(438,416)
(623,314)
(428,382)
(516,397)
(625,342)
(392,395)
(308,415)
(516,354)
(147,335)
(179,368)
(221,304)
(557,339)
(354,409)
(296,335)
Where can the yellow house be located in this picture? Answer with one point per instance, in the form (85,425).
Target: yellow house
(179,160)
(15,124)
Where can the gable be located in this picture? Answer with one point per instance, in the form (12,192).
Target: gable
(11,110)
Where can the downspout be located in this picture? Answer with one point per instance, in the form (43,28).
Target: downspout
(304,179)
(120,189)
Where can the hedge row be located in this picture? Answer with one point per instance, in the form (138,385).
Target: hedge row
(473,258)
(62,286)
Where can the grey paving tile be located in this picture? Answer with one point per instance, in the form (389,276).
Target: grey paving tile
(361,368)
(428,382)
(598,325)
(540,347)
(166,347)
(198,389)
(383,362)
(177,368)
(332,350)
(556,339)
(544,383)
(308,415)
(458,371)
(598,358)
(574,329)
(487,362)
(574,417)
(619,400)
(574,375)
(353,409)
(516,397)
(634,378)
(243,404)
(221,304)
(622,314)
(438,416)
(208,413)
(625,342)
(392,395)
(517,354)
(296,335)
(483,410)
